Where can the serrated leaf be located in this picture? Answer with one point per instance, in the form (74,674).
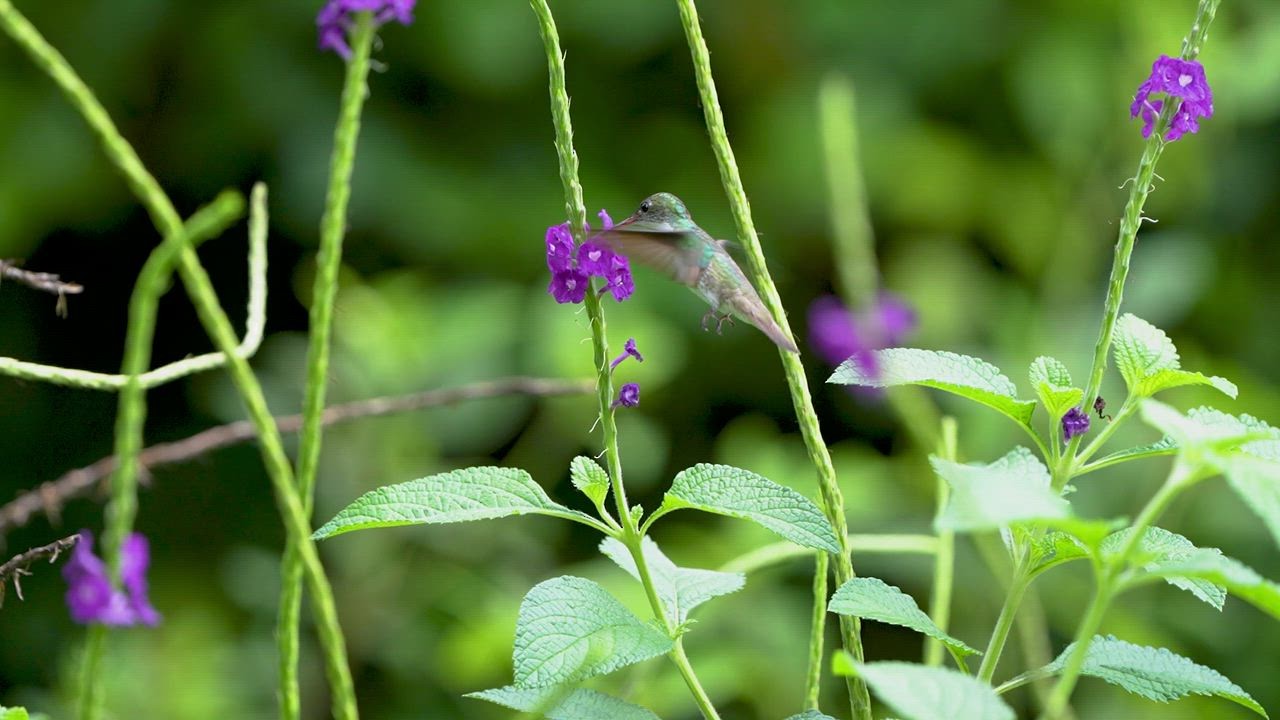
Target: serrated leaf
(1141,349)
(987,497)
(480,493)
(1054,549)
(1154,673)
(680,589)
(590,479)
(1158,548)
(959,374)
(570,628)
(1166,446)
(1052,383)
(1239,579)
(811,715)
(1257,483)
(1167,379)
(564,703)
(727,490)
(917,692)
(873,599)
(1213,431)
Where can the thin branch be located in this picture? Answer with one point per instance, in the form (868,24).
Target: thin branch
(17,566)
(46,282)
(50,496)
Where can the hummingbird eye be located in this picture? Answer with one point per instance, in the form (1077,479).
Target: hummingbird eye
(644,206)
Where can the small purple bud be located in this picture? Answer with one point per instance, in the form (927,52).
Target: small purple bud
(629,350)
(605,221)
(1074,423)
(92,598)
(334,19)
(628,396)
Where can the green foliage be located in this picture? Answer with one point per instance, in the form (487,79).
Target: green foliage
(916,692)
(680,589)
(480,493)
(873,599)
(1052,383)
(1239,579)
(557,702)
(731,491)
(1149,362)
(13,713)
(811,715)
(1154,673)
(570,629)
(1071,538)
(962,375)
(1159,548)
(1015,488)
(589,478)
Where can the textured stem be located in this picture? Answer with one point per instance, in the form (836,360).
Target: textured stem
(218,327)
(831,496)
(577,213)
(944,560)
(90,677)
(817,628)
(333,226)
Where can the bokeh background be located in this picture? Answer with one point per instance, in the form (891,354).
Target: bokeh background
(995,137)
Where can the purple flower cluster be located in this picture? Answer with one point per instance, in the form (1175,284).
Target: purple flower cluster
(1074,423)
(838,334)
(628,396)
(573,267)
(334,20)
(1175,78)
(91,596)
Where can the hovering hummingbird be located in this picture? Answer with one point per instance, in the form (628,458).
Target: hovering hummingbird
(662,235)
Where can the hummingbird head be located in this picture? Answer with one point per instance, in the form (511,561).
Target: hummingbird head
(661,211)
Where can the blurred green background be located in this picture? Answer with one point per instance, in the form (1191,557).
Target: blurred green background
(995,135)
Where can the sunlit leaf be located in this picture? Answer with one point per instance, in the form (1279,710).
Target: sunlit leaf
(1159,548)
(570,628)
(987,497)
(959,374)
(917,692)
(873,599)
(1149,362)
(557,702)
(1052,383)
(1239,579)
(589,478)
(680,589)
(727,490)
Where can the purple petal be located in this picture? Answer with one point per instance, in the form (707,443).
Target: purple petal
(595,260)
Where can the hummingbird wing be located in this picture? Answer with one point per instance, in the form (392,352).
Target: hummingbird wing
(667,251)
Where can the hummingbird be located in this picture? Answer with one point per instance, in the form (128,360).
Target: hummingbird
(662,235)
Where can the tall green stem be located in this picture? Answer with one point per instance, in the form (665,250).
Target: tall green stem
(817,628)
(333,226)
(576,210)
(831,496)
(944,561)
(218,327)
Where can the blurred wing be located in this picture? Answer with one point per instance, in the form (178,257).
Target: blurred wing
(665,251)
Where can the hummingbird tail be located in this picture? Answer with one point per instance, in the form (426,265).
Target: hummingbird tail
(761,318)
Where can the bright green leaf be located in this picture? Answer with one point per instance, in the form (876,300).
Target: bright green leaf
(680,589)
(727,490)
(558,702)
(1239,579)
(589,478)
(873,599)
(811,715)
(917,692)
(987,497)
(1154,673)
(1166,379)
(1054,549)
(479,493)
(13,713)
(1159,548)
(1257,483)
(1149,362)
(1209,429)
(569,629)
(1052,383)
(960,374)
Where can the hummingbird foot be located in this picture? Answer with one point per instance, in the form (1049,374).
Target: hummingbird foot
(707,318)
(720,321)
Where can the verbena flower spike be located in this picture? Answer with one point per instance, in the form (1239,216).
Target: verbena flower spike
(93,598)
(1182,79)
(335,19)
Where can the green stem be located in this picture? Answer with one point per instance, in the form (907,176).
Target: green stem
(333,226)
(944,560)
(854,246)
(777,553)
(831,496)
(90,677)
(1129,407)
(1008,613)
(577,214)
(218,327)
(817,628)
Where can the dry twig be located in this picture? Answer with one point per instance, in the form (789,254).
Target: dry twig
(46,282)
(17,566)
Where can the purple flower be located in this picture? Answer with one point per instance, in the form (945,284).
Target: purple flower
(1175,78)
(628,396)
(559,248)
(621,284)
(605,221)
(838,334)
(569,285)
(92,598)
(629,350)
(334,19)
(1074,423)
(595,260)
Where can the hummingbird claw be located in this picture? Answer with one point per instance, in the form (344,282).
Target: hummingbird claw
(720,321)
(707,318)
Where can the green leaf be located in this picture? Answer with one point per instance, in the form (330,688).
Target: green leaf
(1052,383)
(1165,446)
(873,599)
(987,497)
(680,589)
(1149,362)
(959,374)
(1154,673)
(558,702)
(589,478)
(917,692)
(1158,548)
(1054,549)
(570,628)
(1239,579)
(811,715)
(1257,483)
(480,493)
(13,713)
(727,490)
(1206,430)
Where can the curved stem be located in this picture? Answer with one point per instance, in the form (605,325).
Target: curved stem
(817,628)
(333,226)
(831,495)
